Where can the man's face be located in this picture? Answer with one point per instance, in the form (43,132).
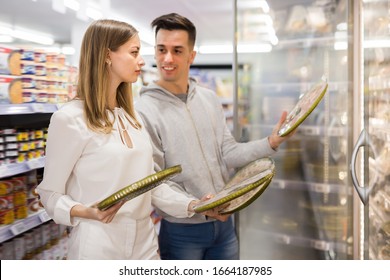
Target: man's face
(173,55)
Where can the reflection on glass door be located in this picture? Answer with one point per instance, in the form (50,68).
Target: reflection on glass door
(377,123)
(284,48)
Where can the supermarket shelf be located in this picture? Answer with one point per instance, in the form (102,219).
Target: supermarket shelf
(10,231)
(310,186)
(17,168)
(306,130)
(226,100)
(300,241)
(380,128)
(297,87)
(27,108)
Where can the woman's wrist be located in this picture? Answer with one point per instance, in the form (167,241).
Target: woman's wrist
(191,206)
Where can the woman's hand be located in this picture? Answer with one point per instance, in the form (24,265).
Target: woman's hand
(94,213)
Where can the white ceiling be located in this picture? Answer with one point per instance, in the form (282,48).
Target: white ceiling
(213,18)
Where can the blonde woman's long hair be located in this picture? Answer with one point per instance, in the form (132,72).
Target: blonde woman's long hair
(93,78)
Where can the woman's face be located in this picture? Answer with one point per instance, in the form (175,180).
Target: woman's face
(126,62)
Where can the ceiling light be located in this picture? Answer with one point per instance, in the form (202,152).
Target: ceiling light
(6,39)
(58,6)
(68,50)
(244,48)
(254,48)
(258,18)
(340,46)
(251,4)
(376,44)
(27,35)
(94,13)
(32,37)
(72,4)
(342,26)
(215,49)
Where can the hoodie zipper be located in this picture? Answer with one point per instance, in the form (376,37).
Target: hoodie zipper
(201,147)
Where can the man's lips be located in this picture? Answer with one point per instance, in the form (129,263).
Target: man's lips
(168,68)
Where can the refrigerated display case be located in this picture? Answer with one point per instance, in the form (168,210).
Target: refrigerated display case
(371,172)
(311,210)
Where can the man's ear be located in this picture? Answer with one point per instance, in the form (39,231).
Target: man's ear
(192,56)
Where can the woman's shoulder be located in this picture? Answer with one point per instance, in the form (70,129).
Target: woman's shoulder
(69,112)
(74,108)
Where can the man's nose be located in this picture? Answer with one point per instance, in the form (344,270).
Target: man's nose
(168,57)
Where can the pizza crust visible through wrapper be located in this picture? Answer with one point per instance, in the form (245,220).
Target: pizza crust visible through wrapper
(244,188)
(305,105)
(139,187)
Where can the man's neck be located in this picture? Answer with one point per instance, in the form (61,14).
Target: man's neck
(174,88)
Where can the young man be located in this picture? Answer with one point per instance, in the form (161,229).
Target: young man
(187,126)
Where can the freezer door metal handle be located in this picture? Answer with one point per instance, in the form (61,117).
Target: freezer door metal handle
(363,191)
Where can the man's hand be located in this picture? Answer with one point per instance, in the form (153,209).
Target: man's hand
(215,212)
(274,139)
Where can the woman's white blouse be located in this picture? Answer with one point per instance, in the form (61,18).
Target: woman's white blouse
(84,167)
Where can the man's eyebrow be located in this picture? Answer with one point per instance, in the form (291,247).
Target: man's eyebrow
(176,47)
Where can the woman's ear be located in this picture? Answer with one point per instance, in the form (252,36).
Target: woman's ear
(108,59)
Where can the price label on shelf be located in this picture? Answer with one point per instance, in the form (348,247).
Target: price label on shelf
(284,239)
(3,171)
(38,107)
(44,217)
(34,163)
(321,188)
(320,245)
(18,228)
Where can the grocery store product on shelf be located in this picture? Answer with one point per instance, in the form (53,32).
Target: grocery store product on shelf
(10,89)
(41,77)
(17,200)
(22,145)
(47,241)
(10,61)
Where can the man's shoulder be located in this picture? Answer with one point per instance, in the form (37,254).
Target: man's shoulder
(145,103)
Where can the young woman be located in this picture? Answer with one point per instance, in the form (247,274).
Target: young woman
(97,145)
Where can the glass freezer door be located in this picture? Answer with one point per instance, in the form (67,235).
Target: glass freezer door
(283,48)
(373,182)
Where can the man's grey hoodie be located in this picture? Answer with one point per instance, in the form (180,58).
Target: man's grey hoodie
(194,134)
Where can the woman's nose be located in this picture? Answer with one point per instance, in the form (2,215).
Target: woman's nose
(141,62)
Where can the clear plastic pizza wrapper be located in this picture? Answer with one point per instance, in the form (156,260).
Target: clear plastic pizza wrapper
(244,188)
(305,105)
(146,184)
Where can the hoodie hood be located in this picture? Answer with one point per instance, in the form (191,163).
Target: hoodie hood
(155,91)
